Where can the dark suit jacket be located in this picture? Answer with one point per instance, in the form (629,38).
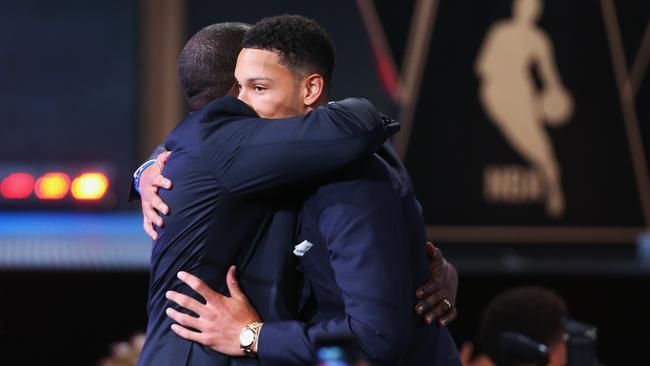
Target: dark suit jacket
(366,262)
(232,203)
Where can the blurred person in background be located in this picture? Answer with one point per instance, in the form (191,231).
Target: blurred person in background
(533,316)
(124,353)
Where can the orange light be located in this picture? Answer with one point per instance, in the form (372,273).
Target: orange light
(52,186)
(17,186)
(89,186)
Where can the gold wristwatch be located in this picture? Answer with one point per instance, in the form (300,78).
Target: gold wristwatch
(248,337)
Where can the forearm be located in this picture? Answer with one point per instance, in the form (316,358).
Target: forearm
(294,342)
(256,155)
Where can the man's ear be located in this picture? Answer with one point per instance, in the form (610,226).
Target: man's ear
(313,89)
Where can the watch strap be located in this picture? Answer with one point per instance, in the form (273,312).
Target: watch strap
(254,326)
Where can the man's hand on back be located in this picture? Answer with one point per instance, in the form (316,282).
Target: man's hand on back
(219,320)
(438,296)
(152,205)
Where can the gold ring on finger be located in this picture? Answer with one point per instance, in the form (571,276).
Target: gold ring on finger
(448,303)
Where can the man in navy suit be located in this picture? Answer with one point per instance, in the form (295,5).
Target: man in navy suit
(236,181)
(361,237)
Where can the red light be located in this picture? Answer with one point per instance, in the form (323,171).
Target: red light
(17,186)
(52,186)
(89,186)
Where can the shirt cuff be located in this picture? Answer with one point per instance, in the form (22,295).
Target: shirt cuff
(138,173)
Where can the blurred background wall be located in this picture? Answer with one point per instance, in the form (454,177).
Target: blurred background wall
(527,144)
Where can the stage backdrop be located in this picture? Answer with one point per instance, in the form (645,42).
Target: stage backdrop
(522,121)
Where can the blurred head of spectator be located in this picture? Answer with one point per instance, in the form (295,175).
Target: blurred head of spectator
(125,353)
(533,312)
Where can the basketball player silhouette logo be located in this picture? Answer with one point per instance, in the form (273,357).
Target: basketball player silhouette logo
(513,101)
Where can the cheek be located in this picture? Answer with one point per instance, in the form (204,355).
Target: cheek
(273,105)
(269,105)
(285,104)
(298,103)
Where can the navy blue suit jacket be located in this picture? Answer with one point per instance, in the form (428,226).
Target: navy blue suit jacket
(367,260)
(233,202)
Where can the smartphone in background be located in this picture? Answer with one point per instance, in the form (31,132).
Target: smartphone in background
(336,351)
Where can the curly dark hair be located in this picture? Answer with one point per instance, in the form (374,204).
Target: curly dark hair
(535,312)
(206,65)
(302,44)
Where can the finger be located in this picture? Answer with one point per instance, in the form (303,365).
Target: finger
(162,158)
(156,202)
(437,311)
(424,306)
(437,261)
(149,229)
(430,288)
(448,317)
(429,318)
(434,256)
(150,213)
(200,287)
(185,320)
(160,181)
(233,285)
(185,302)
(188,334)
(437,282)
(152,178)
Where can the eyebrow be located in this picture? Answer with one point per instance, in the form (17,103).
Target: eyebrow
(253,80)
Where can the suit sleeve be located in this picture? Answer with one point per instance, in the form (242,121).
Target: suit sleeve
(363,231)
(133,194)
(253,155)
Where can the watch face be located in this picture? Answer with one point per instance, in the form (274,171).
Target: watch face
(246,337)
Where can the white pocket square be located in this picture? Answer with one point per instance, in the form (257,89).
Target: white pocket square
(302,248)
